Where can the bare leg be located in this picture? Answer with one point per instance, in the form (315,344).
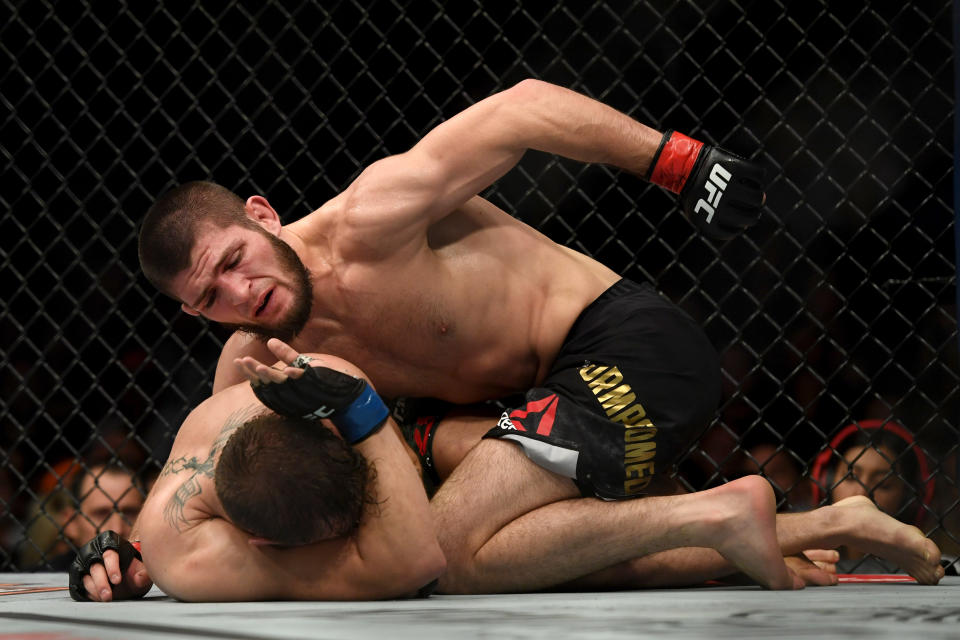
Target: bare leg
(681,567)
(507,525)
(459,431)
(858,522)
(684,566)
(692,566)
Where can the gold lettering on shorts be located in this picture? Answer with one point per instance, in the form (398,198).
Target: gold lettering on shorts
(617,400)
(639,434)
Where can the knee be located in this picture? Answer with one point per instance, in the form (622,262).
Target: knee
(461,570)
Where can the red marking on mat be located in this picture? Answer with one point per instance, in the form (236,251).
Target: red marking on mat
(35,636)
(17,588)
(28,635)
(873,577)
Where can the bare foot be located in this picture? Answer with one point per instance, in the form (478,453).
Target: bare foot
(746,534)
(875,532)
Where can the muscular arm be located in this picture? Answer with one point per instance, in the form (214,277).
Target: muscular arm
(456,160)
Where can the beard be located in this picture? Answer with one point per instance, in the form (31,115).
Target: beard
(295,320)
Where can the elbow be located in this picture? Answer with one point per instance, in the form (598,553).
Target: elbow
(438,563)
(528,110)
(527,91)
(430,566)
(529,86)
(404,573)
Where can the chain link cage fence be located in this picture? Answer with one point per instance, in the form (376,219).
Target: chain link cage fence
(836,310)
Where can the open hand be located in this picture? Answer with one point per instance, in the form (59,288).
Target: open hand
(258,373)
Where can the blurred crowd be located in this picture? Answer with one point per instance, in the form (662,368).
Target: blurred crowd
(71,501)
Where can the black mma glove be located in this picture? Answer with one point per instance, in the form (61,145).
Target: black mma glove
(92,553)
(350,403)
(720,192)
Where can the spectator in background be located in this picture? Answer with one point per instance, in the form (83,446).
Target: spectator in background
(880,460)
(100,497)
(42,537)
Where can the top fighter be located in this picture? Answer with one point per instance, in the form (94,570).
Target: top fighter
(433,291)
(406,272)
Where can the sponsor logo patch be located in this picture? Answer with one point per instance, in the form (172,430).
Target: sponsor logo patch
(538,416)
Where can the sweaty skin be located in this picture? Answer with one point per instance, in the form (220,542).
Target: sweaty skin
(430,289)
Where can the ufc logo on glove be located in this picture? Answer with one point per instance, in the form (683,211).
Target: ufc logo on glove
(719,177)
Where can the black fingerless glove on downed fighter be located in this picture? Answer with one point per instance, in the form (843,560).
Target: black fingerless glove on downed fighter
(92,553)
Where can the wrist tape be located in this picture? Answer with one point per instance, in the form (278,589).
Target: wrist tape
(674,161)
(362,417)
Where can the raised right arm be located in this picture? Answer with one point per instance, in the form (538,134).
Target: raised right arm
(397,197)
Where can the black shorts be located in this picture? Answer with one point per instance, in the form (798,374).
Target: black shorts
(634,385)
(418,419)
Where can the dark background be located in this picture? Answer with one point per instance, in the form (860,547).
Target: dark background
(838,306)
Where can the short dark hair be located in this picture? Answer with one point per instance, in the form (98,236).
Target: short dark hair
(169,229)
(291,480)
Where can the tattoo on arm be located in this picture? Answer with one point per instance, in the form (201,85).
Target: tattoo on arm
(173,511)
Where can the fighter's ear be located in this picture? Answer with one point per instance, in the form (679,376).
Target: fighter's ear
(260,211)
(188,309)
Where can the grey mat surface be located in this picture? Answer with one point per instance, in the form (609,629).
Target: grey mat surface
(846,611)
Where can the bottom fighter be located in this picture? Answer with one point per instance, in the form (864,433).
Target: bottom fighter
(254,506)
(251,505)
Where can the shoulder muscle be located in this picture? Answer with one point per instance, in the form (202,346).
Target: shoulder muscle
(238,346)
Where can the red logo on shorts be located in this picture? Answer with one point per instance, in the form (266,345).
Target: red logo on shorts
(422,437)
(547,410)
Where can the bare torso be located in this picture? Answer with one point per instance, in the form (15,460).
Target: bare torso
(184,496)
(478,311)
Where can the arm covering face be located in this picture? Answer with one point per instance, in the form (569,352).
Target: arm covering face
(350,403)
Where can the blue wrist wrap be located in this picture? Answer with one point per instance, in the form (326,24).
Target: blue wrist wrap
(362,417)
